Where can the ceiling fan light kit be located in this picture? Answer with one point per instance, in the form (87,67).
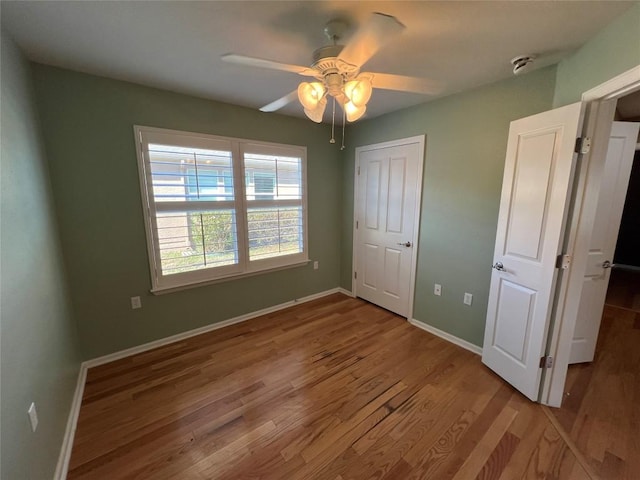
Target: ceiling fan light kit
(352,96)
(310,94)
(359,90)
(336,69)
(316,113)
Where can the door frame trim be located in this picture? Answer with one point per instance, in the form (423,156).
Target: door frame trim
(600,104)
(421,141)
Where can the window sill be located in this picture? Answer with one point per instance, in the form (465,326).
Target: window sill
(186,286)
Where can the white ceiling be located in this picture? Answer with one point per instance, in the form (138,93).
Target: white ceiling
(177,45)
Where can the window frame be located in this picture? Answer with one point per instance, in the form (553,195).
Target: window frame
(238,147)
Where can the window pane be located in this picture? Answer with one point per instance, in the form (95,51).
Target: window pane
(191,241)
(271,177)
(183,174)
(274,232)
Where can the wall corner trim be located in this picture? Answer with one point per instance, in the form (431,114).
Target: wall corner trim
(447,336)
(67,441)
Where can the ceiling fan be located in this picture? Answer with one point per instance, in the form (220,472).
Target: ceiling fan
(337,70)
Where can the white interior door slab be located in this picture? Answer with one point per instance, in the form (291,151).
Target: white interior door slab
(538,174)
(388,187)
(613,190)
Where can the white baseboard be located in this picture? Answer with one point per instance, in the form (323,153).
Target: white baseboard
(208,328)
(447,336)
(346,292)
(70,432)
(67,442)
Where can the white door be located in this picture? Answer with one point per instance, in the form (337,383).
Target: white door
(537,180)
(613,190)
(389,179)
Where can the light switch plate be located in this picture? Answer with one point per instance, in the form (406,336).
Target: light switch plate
(437,289)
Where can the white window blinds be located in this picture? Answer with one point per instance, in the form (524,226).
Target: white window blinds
(218,207)
(275,206)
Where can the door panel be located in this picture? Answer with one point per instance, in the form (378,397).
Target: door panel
(538,172)
(530,195)
(372,195)
(606,224)
(515,311)
(392,268)
(387,189)
(395,206)
(370,266)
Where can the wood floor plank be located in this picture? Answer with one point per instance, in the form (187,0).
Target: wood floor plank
(332,389)
(600,412)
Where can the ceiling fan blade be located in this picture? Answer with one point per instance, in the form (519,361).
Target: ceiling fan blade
(405,84)
(264,63)
(368,39)
(281,102)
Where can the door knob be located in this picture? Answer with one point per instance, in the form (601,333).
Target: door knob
(498,266)
(608,264)
(405,244)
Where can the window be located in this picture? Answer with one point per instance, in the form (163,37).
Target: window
(219,207)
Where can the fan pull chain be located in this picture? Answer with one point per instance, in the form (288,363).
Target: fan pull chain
(344,115)
(333,121)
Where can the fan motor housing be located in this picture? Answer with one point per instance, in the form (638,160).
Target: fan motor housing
(330,51)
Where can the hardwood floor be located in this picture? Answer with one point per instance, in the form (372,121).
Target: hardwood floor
(601,412)
(331,389)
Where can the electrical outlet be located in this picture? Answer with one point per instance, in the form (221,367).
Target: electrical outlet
(136,303)
(33,416)
(437,289)
(468,298)
(316,265)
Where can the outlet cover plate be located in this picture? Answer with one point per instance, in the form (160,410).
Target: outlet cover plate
(33,416)
(136,303)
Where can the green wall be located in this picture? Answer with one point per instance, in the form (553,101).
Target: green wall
(611,52)
(39,358)
(466,137)
(88,130)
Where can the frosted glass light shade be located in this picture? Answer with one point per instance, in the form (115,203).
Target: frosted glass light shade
(352,112)
(316,114)
(358,91)
(310,94)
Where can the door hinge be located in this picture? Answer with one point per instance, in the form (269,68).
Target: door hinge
(583,145)
(546,362)
(563,261)
(355,275)
(357,223)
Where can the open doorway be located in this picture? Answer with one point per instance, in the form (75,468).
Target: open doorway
(600,409)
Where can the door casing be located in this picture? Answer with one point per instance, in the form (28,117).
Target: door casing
(601,102)
(611,198)
(420,140)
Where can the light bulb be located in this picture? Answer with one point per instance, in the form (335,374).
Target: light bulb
(352,112)
(359,90)
(316,114)
(310,94)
